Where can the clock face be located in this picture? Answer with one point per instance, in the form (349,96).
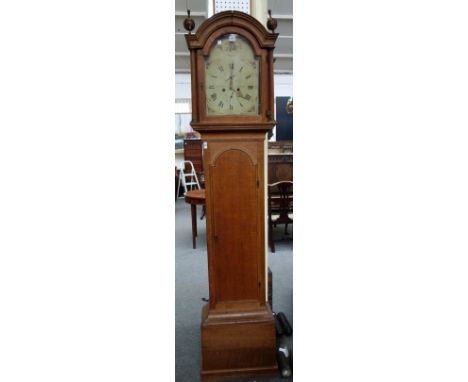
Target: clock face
(232,75)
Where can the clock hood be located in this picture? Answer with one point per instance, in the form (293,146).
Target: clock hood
(242,20)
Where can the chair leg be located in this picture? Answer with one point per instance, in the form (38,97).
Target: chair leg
(286,229)
(270,236)
(203,213)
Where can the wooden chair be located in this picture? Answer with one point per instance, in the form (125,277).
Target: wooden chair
(280,207)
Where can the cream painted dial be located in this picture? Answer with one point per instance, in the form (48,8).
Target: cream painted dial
(232,78)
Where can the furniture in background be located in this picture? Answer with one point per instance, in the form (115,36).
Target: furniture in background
(280,161)
(193,152)
(280,208)
(280,167)
(280,147)
(187,177)
(195,198)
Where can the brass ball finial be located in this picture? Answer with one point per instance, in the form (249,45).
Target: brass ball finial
(189,24)
(271,22)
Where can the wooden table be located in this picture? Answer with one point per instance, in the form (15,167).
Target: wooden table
(195,198)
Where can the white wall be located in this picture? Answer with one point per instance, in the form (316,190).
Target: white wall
(283,85)
(183,88)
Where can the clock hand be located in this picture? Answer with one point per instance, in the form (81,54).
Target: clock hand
(232,75)
(230,78)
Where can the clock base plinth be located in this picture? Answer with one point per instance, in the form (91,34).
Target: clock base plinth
(238,343)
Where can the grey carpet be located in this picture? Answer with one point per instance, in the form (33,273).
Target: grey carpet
(191,277)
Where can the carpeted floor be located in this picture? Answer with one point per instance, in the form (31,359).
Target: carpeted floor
(191,277)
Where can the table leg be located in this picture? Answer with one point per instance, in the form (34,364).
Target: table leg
(194,225)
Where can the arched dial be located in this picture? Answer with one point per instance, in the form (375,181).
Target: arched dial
(232,78)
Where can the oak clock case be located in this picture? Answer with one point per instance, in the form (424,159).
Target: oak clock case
(231,57)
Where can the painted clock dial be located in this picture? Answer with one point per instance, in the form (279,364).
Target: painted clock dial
(232,75)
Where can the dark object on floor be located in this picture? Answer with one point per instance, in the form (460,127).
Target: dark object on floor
(284,323)
(282,355)
(291,360)
(279,328)
(270,288)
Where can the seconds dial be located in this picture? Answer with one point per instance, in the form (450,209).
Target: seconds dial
(232,78)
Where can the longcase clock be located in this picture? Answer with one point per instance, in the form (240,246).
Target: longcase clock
(231,57)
